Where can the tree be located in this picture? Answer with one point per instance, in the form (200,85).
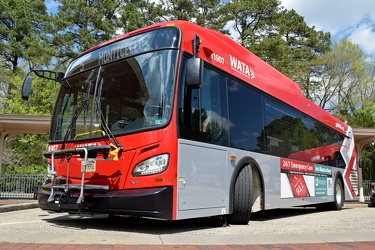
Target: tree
(22,24)
(343,80)
(134,15)
(278,36)
(252,18)
(22,43)
(166,10)
(24,153)
(291,44)
(79,25)
(23,46)
(211,15)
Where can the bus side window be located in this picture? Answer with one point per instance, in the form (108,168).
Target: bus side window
(282,129)
(214,108)
(195,112)
(245,117)
(204,116)
(339,161)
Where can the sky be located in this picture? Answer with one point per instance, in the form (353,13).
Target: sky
(352,19)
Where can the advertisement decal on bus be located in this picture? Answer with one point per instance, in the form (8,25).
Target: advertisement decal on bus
(300,179)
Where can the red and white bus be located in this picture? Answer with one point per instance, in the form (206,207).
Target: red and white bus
(176,121)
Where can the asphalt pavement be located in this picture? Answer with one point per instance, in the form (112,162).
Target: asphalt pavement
(7,205)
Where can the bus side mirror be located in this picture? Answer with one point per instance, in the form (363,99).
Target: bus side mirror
(26,87)
(194,72)
(360,163)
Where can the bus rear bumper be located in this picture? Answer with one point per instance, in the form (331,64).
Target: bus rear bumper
(149,202)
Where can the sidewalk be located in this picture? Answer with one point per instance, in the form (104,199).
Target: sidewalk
(7,205)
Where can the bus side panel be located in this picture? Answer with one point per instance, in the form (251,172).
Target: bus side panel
(201,180)
(280,185)
(350,173)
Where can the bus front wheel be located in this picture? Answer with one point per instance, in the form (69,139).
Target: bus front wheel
(242,197)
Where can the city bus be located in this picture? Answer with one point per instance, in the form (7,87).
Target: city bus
(175,121)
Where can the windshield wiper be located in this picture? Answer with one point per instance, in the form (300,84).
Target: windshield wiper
(78,111)
(100,114)
(84,106)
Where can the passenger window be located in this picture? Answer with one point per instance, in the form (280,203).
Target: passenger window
(245,117)
(214,121)
(204,113)
(282,129)
(339,161)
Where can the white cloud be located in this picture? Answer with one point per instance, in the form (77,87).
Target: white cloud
(365,36)
(343,19)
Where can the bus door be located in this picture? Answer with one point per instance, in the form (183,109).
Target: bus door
(202,165)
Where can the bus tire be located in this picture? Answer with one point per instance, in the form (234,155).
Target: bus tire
(242,197)
(338,193)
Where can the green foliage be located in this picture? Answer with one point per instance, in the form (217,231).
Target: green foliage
(79,25)
(166,10)
(211,14)
(252,19)
(22,43)
(22,24)
(368,163)
(24,155)
(40,103)
(134,16)
(344,84)
(280,37)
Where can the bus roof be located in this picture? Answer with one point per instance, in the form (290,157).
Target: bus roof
(226,54)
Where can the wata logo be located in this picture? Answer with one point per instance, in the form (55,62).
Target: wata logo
(241,67)
(88,145)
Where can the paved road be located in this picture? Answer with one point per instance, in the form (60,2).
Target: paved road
(353,227)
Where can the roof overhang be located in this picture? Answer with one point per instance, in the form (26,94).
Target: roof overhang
(24,124)
(363,136)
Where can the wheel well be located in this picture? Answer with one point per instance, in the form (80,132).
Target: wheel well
(258,183)
(339,176)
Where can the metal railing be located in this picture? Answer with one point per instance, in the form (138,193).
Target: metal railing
(366,189)
(15,186)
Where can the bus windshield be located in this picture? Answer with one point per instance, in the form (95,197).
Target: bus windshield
(126,95)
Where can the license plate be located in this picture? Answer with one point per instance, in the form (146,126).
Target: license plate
(90,166)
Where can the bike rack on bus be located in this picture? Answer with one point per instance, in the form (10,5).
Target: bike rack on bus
(84,153)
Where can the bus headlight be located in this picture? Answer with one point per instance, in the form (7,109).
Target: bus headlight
(152,165)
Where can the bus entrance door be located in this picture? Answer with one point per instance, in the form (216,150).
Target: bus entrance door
(201,180)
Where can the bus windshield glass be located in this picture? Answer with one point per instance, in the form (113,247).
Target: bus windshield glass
(122,94)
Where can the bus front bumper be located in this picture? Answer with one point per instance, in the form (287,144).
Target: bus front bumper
(149,202)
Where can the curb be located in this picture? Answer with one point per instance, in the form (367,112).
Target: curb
(355,204)
(14,207)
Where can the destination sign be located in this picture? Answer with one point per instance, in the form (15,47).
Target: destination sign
(151,40)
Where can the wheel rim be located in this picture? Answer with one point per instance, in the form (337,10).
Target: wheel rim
(338,193)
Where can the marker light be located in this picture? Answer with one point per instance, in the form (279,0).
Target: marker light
(152,165)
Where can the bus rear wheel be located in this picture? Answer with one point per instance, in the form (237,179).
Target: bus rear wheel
(242,197)
(338,195)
